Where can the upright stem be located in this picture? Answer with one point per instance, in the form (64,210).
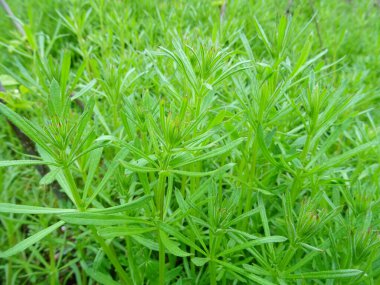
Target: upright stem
(291,251)
(160,205)
(15,21)
(53,270)
(135,274)
(316,23)
(161,259)
(306,147)
(214,249)
(212,268)
(251,179)
(161,194)
(297,183)
(107,249)
(73,188)
(9,272)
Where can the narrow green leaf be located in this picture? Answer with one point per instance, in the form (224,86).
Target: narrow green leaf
(244,273)
(181,201)
(21,246)
(333,274)
(140,202)
(65,70)
(137,168)
(262,35)
(201,174)
(80,134)
(86,218)
(329,142)
(93,164)
(264,149)
(119,231)
(148,243)
(308,63)
(100,277)
(24,209)
(256,269)
(210,154)
(265,221)
(182,238)
(343,157)
(310,247)
(50,176)
(111,169)
(55,97)
(249,244)
(247,46)
(84,90)
(302,57)
(139,153)
(172,246)
(200,261)
(243,216)
(35,133)
(7,163)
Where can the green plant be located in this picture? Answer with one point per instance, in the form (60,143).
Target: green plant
(192,144)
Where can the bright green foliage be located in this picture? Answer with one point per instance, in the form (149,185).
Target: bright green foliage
(194,142)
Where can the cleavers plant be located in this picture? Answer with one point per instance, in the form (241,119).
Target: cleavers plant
(192,143)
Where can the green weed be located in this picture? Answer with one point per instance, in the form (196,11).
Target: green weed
(190,142)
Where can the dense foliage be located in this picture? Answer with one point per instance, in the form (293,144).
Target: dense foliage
(190,142)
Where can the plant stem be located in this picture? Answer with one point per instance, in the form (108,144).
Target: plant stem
(214,245)
(161,194)
(112,256)
(161,260)
(15,21)
(73,188)
(135,274)
(251,178)
(288,256)
(9,272)
(107,249)
(160,206)
(212,272)
(306,147)
(52,266)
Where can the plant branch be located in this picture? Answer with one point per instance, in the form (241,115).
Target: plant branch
(16,22)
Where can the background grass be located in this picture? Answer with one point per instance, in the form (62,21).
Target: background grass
(249,129)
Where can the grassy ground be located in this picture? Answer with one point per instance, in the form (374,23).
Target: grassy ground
(190,142)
